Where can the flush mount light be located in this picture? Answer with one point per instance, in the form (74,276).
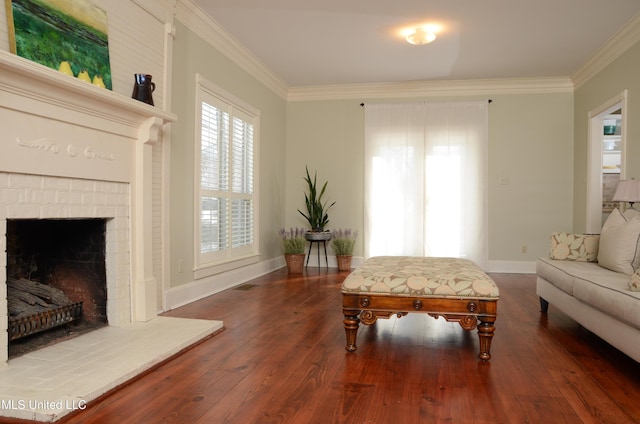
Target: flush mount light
(420,37)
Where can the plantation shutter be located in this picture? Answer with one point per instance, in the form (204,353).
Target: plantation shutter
(214,179)
(226,184)
(242,183)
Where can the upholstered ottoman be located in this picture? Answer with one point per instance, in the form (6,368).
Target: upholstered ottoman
(453,288)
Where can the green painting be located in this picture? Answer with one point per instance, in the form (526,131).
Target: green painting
(69,35)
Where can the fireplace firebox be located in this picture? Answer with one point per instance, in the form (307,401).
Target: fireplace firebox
(56,280)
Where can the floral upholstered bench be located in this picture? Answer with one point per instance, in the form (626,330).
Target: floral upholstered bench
(453,288)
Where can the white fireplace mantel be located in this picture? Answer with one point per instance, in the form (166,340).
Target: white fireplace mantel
(36,91)
(56,125)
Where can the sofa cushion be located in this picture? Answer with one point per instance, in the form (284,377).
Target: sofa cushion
(612,296)
(594,285)
(619,247)
(574,247)
(563,274)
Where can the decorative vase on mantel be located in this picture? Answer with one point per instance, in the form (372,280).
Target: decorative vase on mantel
(142,88)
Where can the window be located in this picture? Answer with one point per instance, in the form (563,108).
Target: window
(226,190)
(425,179)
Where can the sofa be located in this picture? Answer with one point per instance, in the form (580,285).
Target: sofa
(595,279)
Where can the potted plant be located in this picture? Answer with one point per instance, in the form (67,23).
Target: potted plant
(317,210)
(342,243)
(294,243)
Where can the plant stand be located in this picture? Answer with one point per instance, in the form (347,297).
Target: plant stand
(318,237)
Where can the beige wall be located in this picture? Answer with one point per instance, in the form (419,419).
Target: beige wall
(531,145)
(192,55)
(621,74)
(328,137)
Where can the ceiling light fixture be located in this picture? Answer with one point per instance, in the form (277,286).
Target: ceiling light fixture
(420,37)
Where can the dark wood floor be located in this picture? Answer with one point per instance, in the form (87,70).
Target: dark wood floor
(281,359)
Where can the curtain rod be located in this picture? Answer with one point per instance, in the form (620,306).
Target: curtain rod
(488,101)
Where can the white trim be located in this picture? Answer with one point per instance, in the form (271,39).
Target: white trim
(356,261)
(169,36)
(215,90)
(193,17)
(196,290)
(594,158)
(418,89)
(213,33)
(209,269)
(512,267)
(625,38)
(207,264)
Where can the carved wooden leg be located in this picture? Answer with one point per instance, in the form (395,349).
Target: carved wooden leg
(544,306)
(351,325)
(485,334)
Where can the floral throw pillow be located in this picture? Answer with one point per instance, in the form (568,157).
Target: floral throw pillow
(634,284)
(574,247)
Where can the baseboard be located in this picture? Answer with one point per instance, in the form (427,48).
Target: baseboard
(198,289)
(356,261)
(512,267)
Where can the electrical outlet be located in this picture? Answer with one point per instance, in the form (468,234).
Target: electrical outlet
(523,248)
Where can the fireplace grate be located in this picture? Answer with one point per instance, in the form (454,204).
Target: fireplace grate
(25,326)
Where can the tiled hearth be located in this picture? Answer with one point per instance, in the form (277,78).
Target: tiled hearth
(50,383)
(70,150)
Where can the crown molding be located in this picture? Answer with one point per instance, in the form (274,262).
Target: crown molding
(440,88)
(209,30)
(619,43)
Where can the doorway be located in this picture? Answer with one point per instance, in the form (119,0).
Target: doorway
(606,158)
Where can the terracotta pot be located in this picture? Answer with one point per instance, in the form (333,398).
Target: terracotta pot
(344,262)
(295,263)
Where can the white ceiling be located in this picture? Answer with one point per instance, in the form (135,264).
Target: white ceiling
(318,42)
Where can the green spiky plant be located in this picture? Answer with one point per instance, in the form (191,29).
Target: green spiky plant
(317,211)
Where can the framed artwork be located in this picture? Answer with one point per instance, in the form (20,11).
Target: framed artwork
(69,35)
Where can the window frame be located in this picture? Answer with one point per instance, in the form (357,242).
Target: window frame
(209,263)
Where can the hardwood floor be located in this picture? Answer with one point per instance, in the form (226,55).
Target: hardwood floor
(282,359)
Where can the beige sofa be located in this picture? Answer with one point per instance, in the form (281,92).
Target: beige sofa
(593,279)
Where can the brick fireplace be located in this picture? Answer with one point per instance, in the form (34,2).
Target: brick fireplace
(70,150)
(73,151)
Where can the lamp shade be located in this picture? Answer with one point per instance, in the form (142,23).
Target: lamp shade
(627,191)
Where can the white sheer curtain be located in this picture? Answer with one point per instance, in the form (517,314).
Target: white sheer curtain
(425,179)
